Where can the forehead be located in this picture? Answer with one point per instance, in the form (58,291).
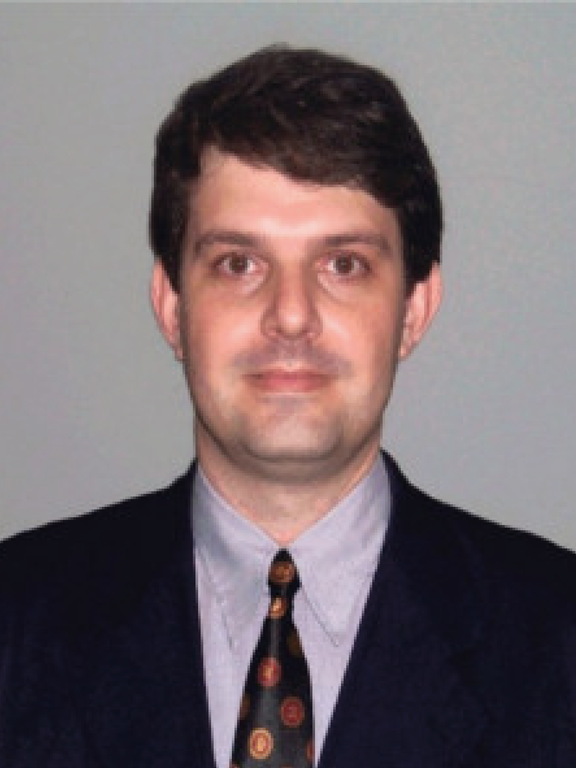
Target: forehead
(231,194)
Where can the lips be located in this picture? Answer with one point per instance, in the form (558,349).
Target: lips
(281,380)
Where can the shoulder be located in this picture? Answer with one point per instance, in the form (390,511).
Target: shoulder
(64,555)
(510,563)
(507,596)
(77,585)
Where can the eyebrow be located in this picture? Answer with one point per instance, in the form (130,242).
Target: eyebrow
(225,237)
(248,240)
(378,241)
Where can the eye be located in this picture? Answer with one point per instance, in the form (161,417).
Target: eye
(236,264)
(347,264)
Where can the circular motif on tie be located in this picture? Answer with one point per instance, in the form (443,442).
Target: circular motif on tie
(282,572)
(293,643)
(260,743)
(292,711)
(278,608)
(269,672)
(244,706)
(310,751)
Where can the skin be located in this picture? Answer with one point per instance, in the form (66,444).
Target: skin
(291,318)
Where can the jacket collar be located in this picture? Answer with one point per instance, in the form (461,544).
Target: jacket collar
(404,690)
(135,660)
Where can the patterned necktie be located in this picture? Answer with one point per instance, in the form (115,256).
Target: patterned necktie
(275,727)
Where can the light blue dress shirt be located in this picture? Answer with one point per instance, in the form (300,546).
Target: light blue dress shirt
(336,560)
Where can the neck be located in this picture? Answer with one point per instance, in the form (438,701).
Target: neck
(283,504)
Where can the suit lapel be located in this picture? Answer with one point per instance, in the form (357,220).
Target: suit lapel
(136,665)
(404,702)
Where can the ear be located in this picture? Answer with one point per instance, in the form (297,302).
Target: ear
(166,305)
(421,306)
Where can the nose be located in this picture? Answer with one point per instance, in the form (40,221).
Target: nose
(291,312)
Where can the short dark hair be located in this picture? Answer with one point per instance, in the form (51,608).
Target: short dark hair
(310,115)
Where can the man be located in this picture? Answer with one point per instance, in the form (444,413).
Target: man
(296,222)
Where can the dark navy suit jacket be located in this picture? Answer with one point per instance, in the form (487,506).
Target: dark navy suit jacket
(465,657)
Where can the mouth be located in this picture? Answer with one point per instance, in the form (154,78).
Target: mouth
(284,381)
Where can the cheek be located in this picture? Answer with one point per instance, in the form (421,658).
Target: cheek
(369,335)
(214,334)
(376,359)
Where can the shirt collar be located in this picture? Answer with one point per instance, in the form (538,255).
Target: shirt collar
(337,555)
(235,555)
(334,557)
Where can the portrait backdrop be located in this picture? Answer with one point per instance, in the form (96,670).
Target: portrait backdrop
(93,408)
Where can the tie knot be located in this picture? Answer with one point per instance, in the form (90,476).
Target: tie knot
(283,576)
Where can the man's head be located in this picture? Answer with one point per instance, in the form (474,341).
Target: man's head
(296,221)
(313,117)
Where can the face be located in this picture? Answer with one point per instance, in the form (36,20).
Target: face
(291,317)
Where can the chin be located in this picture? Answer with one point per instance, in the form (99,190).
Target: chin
(297,460)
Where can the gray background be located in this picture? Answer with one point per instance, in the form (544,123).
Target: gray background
(92,406)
